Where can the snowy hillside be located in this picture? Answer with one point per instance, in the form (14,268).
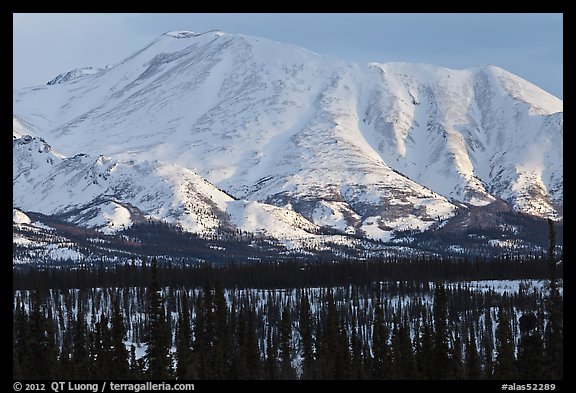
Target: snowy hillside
(99,192)
(295,140)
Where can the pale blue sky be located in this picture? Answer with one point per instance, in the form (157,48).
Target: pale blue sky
(528,45)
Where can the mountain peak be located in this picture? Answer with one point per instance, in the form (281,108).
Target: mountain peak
(181,34)
(349,148)
(190,34)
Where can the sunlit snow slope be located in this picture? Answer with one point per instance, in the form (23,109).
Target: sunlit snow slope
(361,148)
(103,193)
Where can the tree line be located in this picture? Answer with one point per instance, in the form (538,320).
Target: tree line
(388,330)
(102,323)
(285,274)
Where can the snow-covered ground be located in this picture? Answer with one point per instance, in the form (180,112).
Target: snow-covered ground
(512,286)
(259,297)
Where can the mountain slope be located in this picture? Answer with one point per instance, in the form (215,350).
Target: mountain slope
(362,148)
(99,192)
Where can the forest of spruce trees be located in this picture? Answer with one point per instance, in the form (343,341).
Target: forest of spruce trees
(355,320)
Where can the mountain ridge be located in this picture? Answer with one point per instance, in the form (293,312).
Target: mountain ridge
(365,149)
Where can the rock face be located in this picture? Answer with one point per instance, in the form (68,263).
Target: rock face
(218,130)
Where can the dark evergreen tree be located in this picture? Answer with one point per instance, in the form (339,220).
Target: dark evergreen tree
(252,351)
(272,370)
(425,348)
(488,344)
(135,365)
(472,360)
(64,361)
(201,345)
(208,333)
(40,359)
(16,369)
(530,349)
(286,369)
(332,351)
(20,342)
(80,356)
(343,364)
(554,333)
(234,339)
(305,328)
(457,366)
(440,360)
(119,366)
(357,370)
(242,371)
(504,367)
(403,359)
(101,349)
(157,355)
(52,346)
(380,350)
(185,365)
(221,347)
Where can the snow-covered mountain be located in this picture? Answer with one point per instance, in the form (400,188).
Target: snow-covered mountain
(100,192)
(215,129)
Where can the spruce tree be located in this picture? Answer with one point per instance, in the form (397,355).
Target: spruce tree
(403,358)
(64,361)
(101,348)
(426,348)
(40,360)
(80,356)
(286,370)
(530,349)
(335,353)
(440,359)
(221,345)
(185,369)
(135,367)
(16,369)
(234,341)
(208,333)
(357,370)
(119,353)
(52,346)
(305,329)
(457,366)
(157,351)
(252,352)
(201,343)
(21,340)
(343,365)
(554,333)
(472,361)
(242,371)
(488,344)
(504,367)
(272,371)
(380,350)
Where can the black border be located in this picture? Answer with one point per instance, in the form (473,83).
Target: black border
(484,6)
